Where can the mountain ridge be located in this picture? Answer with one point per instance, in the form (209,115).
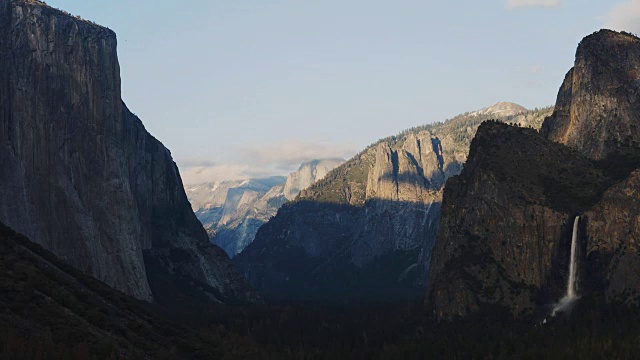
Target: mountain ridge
(502,109)
(382,207)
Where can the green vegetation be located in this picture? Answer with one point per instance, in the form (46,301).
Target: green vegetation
(545,172)
(76,17)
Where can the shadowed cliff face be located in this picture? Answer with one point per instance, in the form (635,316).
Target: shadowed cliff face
(335,252)
(597,107)
(506,222)
(613,237)
(81,176)
(505,233)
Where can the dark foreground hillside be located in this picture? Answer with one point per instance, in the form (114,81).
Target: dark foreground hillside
(49,310)
(592,330)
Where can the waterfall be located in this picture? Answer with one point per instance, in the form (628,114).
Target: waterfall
(571,283)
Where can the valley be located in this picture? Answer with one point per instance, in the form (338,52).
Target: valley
(503,232)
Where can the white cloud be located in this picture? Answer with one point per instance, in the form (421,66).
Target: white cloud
(196,162)
(290,154)
(512,4)
(261,161)
(536,69)
(624,16)
(203,174)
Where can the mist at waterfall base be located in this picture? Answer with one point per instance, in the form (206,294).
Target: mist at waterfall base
(565,303)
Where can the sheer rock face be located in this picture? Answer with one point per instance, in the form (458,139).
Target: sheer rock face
(613,240)
(81,176)
(597,106)
(413,172)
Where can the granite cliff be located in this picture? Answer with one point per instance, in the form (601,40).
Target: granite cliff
(507,219)
(80,174)
(505,236)
(597,106)
(366,229)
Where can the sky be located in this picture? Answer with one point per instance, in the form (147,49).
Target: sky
(247,88)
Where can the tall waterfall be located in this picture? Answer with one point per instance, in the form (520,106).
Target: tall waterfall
(571,283)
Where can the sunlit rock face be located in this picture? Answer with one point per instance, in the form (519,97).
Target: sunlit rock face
(80,174)
(597,107)
(308,173)
(505,220)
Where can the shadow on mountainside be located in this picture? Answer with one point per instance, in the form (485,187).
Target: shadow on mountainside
(506,229)
(322,251)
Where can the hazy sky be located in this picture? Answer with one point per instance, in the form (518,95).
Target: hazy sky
(248,87)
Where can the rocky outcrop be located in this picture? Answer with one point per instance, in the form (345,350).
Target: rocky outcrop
(413,172)
(81,176)
(366,230)
(308,173)
(597,106)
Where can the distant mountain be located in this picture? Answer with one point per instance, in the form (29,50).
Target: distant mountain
(366,230)
(81,176)
(502,109)
(232,211)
